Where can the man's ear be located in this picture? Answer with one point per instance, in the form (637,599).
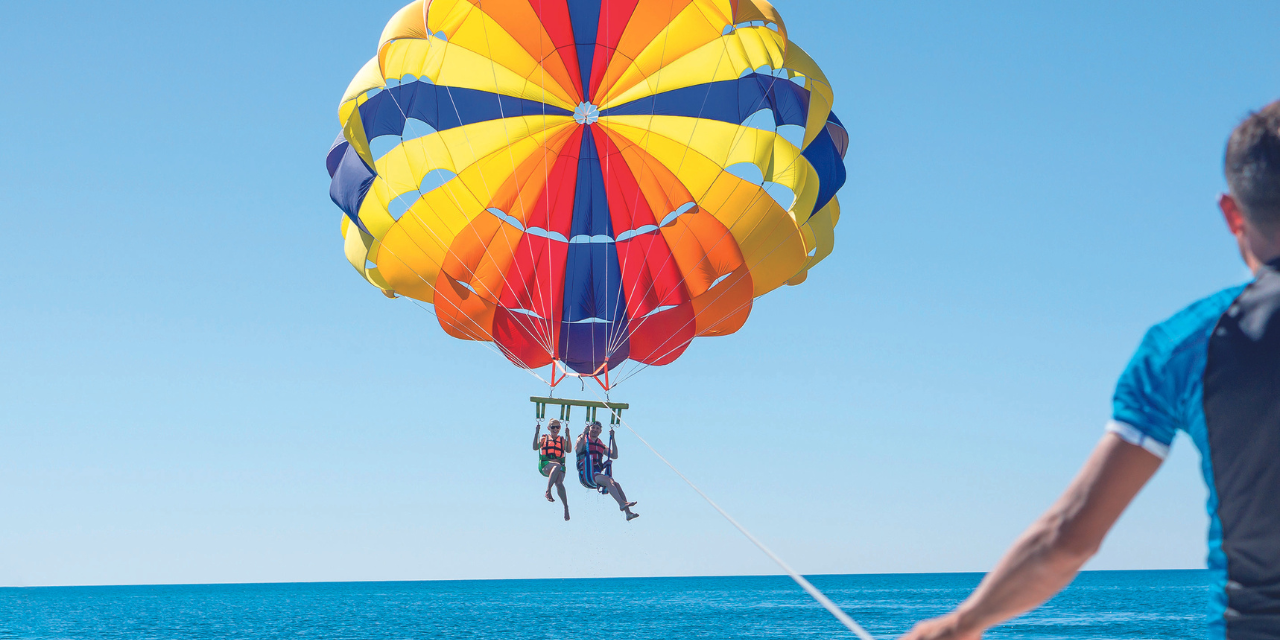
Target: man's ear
(1231,212)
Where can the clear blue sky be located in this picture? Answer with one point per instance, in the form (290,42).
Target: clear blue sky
(197,387)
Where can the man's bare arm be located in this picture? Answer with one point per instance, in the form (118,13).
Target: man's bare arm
(1047,556)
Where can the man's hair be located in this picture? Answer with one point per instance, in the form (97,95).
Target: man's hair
(1253,166)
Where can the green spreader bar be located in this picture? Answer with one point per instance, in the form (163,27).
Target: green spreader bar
(614,408)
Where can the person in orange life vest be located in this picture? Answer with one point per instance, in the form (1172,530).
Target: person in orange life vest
(550,450)
(590,440)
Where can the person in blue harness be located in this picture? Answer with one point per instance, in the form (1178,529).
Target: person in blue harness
(550,450)
(1212,371)
(595,466)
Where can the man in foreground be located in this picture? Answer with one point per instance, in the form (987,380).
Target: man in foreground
(1213,371)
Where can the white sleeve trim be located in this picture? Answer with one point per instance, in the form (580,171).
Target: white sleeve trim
(1133,435)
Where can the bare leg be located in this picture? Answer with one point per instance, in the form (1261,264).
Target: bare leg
(551,479)
(615,490)
(557,478)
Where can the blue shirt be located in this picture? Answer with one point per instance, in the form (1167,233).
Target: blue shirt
(1213,371)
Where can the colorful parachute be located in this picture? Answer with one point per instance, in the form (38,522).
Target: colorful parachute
(587,182)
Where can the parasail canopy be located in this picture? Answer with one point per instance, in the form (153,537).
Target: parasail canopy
(587,182)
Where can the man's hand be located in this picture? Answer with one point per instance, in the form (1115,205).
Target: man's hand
(947,627)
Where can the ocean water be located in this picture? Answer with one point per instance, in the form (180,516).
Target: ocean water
(1105,604)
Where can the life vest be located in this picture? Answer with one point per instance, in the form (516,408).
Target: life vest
(553,447)
(598,452)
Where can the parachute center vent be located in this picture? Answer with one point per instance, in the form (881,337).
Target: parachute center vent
(586,113)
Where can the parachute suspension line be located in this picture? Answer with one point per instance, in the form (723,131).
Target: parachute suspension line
(449,189)
(546,184)
(487,337)
(813,591)
(653,107)
(739,136)
(533,328)
(642,366)
(546,335)
(615,331)
(490,344)
(483,338)
(540,336)
(760,194)
(549,333)
(571,259)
